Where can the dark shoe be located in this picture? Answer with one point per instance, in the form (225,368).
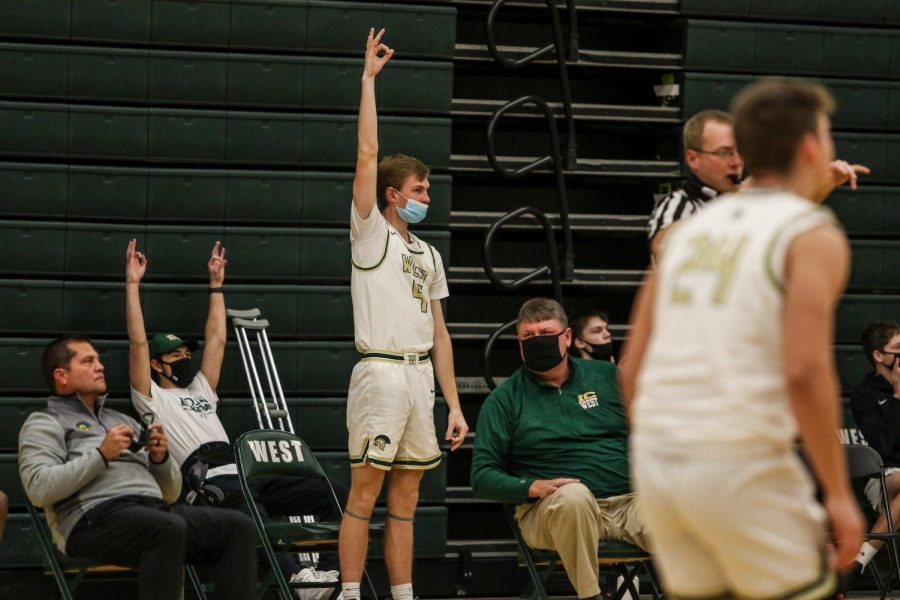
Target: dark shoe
(849,578)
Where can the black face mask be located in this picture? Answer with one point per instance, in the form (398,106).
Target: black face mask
(541,352)
(181,371)
(599,351)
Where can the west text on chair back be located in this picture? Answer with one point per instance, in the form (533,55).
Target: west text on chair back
(273,453)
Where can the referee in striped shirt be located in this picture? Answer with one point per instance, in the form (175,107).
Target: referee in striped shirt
(711,155)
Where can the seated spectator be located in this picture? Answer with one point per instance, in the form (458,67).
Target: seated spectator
(163,383)
(875,403)
(591,338)
(553,440)
(108,499)
(711,154)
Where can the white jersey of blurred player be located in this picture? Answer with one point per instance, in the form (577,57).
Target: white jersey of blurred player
(713,426)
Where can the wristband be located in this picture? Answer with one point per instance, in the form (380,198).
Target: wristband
(217,290)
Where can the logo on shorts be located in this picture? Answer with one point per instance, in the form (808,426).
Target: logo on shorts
(588,400)
(84,426)
(381,442)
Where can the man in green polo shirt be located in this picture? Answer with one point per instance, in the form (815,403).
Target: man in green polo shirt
(553,439)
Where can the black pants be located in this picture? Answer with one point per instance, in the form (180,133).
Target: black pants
(284,496)
(157,539)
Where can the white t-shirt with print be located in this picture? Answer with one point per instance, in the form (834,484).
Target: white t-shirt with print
(188,416)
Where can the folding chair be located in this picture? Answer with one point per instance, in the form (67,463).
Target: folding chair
(865,462)
(274,453)
(81,567)
(620,558)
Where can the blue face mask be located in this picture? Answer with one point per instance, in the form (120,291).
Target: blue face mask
(414,211)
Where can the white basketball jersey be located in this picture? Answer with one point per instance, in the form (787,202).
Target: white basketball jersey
(392,286)
(713,371)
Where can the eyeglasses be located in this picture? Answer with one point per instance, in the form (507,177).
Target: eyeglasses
(720,152)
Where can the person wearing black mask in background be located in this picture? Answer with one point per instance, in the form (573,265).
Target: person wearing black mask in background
(591,338)
(553,440)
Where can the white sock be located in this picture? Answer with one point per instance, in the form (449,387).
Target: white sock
(350,590)
(401,592)
(866,553)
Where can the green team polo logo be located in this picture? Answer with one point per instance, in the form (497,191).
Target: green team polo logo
(381,442)
(199,405)
(588,400)
(84,426)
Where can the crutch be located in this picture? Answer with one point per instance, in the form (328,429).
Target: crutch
(270,413)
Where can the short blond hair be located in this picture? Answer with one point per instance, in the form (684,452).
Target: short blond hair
(541,309)
(394,170)
(692,135)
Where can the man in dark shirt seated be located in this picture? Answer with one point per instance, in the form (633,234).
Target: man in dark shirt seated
(553,439)
(875,403)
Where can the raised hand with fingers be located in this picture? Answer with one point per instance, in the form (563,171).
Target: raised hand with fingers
(216,265)
(844,172)
(377,54)
(135,263)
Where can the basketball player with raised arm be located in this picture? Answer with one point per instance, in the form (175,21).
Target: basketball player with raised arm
(397,285)
(730,359)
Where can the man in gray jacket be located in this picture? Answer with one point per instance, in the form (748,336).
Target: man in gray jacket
(107,498)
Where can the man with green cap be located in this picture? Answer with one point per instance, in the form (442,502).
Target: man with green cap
(163,383)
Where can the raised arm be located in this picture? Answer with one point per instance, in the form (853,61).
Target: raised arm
(638,338)
(816,272)
(365,183)
(215,331)
(138,351)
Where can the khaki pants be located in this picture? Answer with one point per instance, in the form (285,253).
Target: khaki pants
(571,522)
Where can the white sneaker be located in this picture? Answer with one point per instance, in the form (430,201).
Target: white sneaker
(310,575)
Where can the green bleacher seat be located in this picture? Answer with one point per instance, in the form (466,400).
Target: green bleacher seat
(880,152)
(238,415)
(417,86)
(719,45)
(187,135)
(868,210)
(180,195)
(276,196)
(21,548)
(33,129)
(12,485)
(856,311)
(119,21)
(181,251)
(277,24)
(263,252)
(234,379)
(337,467)
(852,365)
(860,104)
(429,535)
(331,25)
(102,132)
(25,354)
(32,248)
(324,311)
(13,412)
(876,265)
(191,22)
(268,138)
(33,70)
(322,422)
(324,367)
(788,49)
(426,139)
(325,255)
(278,304)
(267,80)
(95,307)
(31,306)
(107,193)
(423,30)
(51,19)
(33,190)
(857,52)
(108,74)
(188,77)
(715,8)
(93,249)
